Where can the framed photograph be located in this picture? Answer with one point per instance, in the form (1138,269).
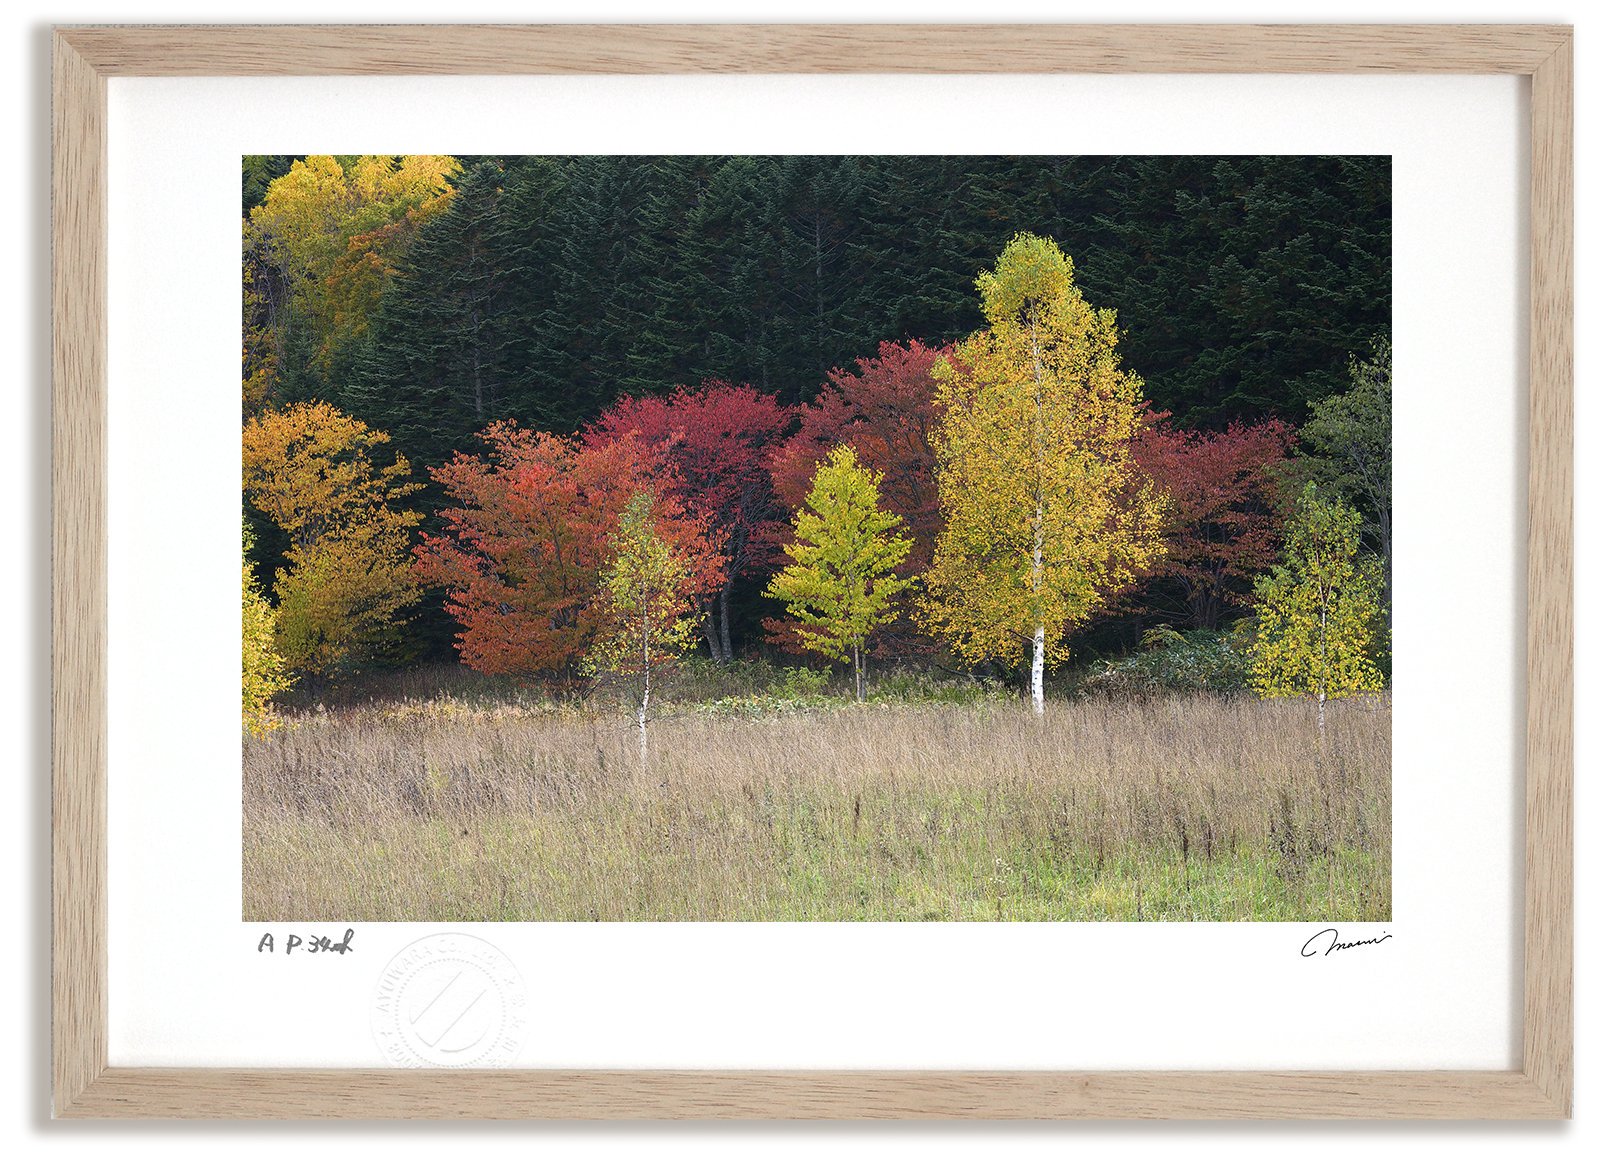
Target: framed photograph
(813,571)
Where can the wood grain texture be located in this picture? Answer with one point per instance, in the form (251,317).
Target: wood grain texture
(445,49)
(78,575)
(703,1095)
(83,1085)
(1547,995)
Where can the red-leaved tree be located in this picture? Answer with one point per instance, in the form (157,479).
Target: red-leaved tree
(524,545)
(883,410)
(1224,513)
(718,440)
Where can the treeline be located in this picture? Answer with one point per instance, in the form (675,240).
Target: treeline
(411,321)
(545,287)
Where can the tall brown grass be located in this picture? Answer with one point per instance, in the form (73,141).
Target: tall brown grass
(1178,808)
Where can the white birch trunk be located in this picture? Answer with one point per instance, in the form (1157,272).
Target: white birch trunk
(1038,524)
(644,692)
(1038,670)
(1322,671)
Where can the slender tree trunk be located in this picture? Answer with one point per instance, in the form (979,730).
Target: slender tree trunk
(816,225)
(477,388)
(1322,678)
(1038,628)
(713,642)
(1388,571)
(727,644)
(1038,525)
(861,695)
(644,693)
(477,369)
(1038,670)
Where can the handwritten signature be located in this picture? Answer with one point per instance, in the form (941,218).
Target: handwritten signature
(1313,946)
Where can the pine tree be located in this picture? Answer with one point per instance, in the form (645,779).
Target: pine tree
(734,273)
(1243,281)
(600,299)
(434,371)
(840,583)
(668,340)
(813,211)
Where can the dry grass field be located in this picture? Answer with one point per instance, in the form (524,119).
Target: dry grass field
(1182,808)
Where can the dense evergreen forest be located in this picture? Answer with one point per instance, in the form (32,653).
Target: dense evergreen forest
(428,298)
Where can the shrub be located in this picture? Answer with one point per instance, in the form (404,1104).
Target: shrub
(904,686)
(1169,661)
(802,683)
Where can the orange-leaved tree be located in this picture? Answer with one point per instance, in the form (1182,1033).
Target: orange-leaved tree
(348,577)
(528,537)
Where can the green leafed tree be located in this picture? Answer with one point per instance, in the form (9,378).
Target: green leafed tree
(840,583)
(647,598)
(1347,444)
(1319,613)
(263,669)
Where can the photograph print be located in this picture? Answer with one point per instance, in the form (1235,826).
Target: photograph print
(816,538)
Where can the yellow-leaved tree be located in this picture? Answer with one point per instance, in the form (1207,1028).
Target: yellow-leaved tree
(263,674)
(319,249)
(349,573)
(660,565)
(840,583)
(1319,613)
(1045,510)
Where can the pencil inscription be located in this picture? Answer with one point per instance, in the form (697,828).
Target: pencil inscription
(307,946)
(1317,946)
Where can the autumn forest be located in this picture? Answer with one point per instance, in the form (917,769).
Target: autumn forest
(816,537)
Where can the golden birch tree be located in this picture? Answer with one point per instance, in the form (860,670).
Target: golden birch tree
(1046,512)
(647,598)
(1319,613)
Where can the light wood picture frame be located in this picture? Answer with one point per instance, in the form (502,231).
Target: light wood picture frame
(83,1082)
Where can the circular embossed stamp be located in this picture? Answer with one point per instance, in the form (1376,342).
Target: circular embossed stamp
(450,1001)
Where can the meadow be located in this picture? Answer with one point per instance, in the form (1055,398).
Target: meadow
(791,804)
